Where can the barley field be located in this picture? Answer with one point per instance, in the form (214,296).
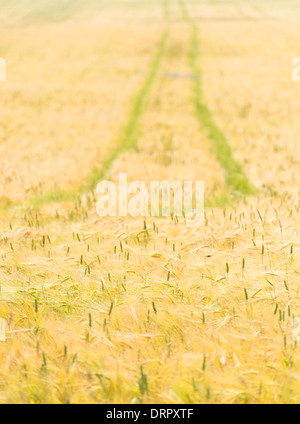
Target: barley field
(147,310)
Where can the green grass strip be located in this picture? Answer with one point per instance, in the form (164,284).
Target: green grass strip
(131,132)
(236,179)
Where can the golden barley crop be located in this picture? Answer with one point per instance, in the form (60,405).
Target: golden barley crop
(148,310)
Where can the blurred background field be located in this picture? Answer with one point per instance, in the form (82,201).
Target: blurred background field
(132,310)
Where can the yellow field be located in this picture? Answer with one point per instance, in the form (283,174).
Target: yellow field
(134,310)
